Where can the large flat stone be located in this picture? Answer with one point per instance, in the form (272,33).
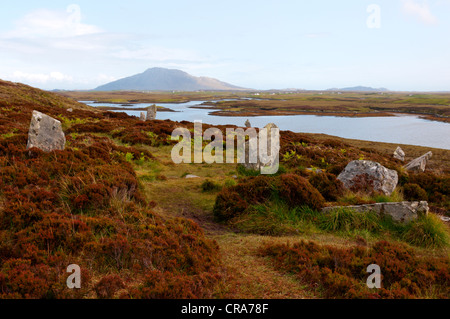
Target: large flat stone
(402,212)
(419,164)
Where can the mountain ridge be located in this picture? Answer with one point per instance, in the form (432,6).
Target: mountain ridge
(360,88)
(162,79)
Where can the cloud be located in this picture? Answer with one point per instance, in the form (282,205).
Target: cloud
(157,54)
(52,24)
(317,35)
(421,12)
(61,40)
(103,78)
(19,76)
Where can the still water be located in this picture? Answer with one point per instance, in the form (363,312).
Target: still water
(402,129)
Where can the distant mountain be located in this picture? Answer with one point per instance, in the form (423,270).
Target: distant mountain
(360,89)
(160,79)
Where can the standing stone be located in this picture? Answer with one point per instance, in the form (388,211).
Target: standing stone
(248,124)
(151,112)
(45,133)
(143,116)
(270,126)
(420,163)
(399,154)
(251,153)
(369,174)
(252,161)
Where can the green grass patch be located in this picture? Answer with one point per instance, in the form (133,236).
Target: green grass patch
(347,221)
(428,231)
(277,219)
(210,186)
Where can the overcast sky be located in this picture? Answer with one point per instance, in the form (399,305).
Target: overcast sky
(397,44)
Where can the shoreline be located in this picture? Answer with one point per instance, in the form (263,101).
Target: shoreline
(293,113)
(218,111)
(428,106)
(108,108)
(274,112)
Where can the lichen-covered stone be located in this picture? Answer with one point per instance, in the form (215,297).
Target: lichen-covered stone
(399,154)
(45,133)
(364,172)
(151,112)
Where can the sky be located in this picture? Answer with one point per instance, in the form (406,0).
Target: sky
(397,44)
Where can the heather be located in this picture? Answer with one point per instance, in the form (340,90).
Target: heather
(114,203)
(337,272)
(85,206)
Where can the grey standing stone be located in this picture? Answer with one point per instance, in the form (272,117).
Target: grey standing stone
(151,112)
(248,124)
(253,152)
(270,126)
(251,157)
(420,163)
(381,179)
(399,154)
(45,133)
(143,116)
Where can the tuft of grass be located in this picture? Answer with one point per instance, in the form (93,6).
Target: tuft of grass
(230,183)
(209,186)
(351,198)
(184,174)
(396,196)
(360,198)
(129,157)
(427,231)
(148,178)
(347,220)
(263,220)
(241,170)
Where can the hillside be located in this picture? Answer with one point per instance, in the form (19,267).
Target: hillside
(114,203)
(17,94)
(160,79)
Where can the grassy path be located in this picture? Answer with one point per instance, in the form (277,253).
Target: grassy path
(252,276)
(248,276)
